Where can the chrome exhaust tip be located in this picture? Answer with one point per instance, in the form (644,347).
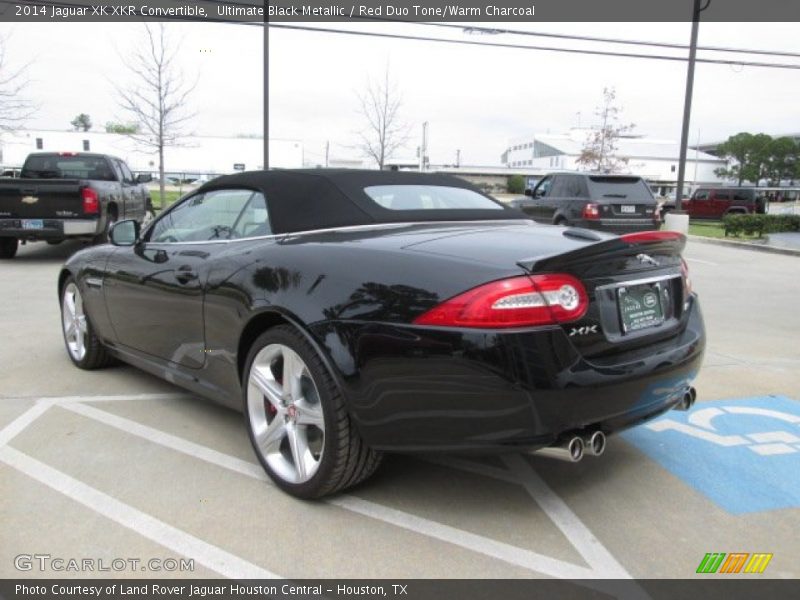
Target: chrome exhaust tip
(688,399)
(595,443)
(570,450)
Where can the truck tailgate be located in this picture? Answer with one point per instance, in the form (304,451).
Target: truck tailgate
(41,198)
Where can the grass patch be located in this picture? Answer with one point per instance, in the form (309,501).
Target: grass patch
(715,229)
(161,203)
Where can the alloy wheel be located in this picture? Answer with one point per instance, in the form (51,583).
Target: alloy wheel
(73,320)
(285,413)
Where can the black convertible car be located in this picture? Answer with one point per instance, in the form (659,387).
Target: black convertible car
(348,313)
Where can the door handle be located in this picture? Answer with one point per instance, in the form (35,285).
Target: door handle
(185,274)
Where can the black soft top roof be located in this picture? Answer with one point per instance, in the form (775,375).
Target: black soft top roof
(306,199)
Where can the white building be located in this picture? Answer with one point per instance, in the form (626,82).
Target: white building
(654,160)
(196,154)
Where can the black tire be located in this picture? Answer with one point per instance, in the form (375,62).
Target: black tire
(54,242)
(95,355)
(8,247)
(345,459)
(560,221)
(111,218)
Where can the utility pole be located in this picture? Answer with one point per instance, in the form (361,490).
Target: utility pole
(458,158)
(327,151)
(423,150)
(266,92)
(687,102)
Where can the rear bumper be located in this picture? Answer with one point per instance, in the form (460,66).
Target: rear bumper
(421,389)
(619,225)
(51,228)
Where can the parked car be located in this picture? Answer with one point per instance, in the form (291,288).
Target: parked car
(615,203)
(351,313)
(715,203)
(60,195)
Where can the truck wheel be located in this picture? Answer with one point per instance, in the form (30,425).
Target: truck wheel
(8,247)
(111,218)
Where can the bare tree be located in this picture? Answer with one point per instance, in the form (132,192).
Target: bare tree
(384,132)
(599,151)
(14,107)
(157,100)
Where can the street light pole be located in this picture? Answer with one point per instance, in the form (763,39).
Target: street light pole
(687,103)
(266,92)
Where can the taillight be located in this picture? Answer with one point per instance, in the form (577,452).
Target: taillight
(91,202)
(591,211)
(515,302)
(640,237)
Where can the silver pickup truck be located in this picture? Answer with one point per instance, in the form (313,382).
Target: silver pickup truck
(61,195)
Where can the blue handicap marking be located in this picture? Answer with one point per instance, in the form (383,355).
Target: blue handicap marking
(742,454)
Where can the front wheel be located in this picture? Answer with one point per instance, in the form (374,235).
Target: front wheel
(8,247)
(83,347)
(300,429)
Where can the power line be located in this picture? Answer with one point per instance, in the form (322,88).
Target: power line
(584,38)
(419,38)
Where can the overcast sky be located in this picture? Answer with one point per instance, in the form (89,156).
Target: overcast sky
(474,99)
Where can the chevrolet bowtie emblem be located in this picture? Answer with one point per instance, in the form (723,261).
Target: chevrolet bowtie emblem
(30,199)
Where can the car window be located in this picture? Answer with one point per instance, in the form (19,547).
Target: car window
(126,172)
(745,195)
(617,187)
(254,219)
(701,195)
(543,189)
(203,217)
(67,166)
(428,197)
(722,195)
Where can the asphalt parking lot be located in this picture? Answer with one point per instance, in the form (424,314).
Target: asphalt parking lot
(116,464)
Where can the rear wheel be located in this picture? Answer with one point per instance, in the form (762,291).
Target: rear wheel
(111,218)
(8,247)
(296,419)
(83,346)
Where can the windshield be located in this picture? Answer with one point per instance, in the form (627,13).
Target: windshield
(429,197)
(54,166)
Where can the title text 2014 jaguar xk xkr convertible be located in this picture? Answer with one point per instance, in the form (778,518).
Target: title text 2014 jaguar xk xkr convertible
(350,313)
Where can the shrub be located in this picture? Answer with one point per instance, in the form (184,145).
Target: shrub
(516,184)
(760,224)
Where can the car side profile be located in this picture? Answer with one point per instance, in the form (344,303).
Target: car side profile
(715,203)
(352,313)
(614,203)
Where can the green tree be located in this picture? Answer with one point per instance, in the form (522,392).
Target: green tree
(744,152)
(516,184)
(783,152)
(599,153)
(82,122)
(123,128)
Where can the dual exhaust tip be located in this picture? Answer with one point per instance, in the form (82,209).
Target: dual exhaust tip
(688,399)
(574,448)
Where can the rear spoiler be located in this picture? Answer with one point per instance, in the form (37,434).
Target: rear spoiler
(655,242)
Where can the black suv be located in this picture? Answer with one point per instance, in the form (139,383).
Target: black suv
(614,203)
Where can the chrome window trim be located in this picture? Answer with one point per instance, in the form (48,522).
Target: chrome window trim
(527,222)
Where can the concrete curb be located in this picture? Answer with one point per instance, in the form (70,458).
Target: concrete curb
(744,245)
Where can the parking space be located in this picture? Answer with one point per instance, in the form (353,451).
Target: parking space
(117,464)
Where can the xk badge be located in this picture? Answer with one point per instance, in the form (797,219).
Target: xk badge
(585,330)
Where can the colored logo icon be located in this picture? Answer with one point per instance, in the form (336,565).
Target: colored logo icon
(734,562)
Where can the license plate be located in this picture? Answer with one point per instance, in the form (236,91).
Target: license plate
(626,208)
(32,224)
(640,306)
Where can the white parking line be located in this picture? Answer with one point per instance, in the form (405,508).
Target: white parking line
(216,559)
(602,563)
(476,543)
(703,262)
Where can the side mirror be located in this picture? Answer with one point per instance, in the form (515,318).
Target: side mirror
(528,192)
(144,178)
(124,233)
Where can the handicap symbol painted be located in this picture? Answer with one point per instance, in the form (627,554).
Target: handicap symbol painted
(742,454)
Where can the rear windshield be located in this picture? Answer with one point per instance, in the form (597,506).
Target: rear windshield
(67,167)
(622,188)
(429,197)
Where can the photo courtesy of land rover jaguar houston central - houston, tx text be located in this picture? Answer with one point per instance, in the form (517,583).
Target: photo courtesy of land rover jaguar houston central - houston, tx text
(352,313)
